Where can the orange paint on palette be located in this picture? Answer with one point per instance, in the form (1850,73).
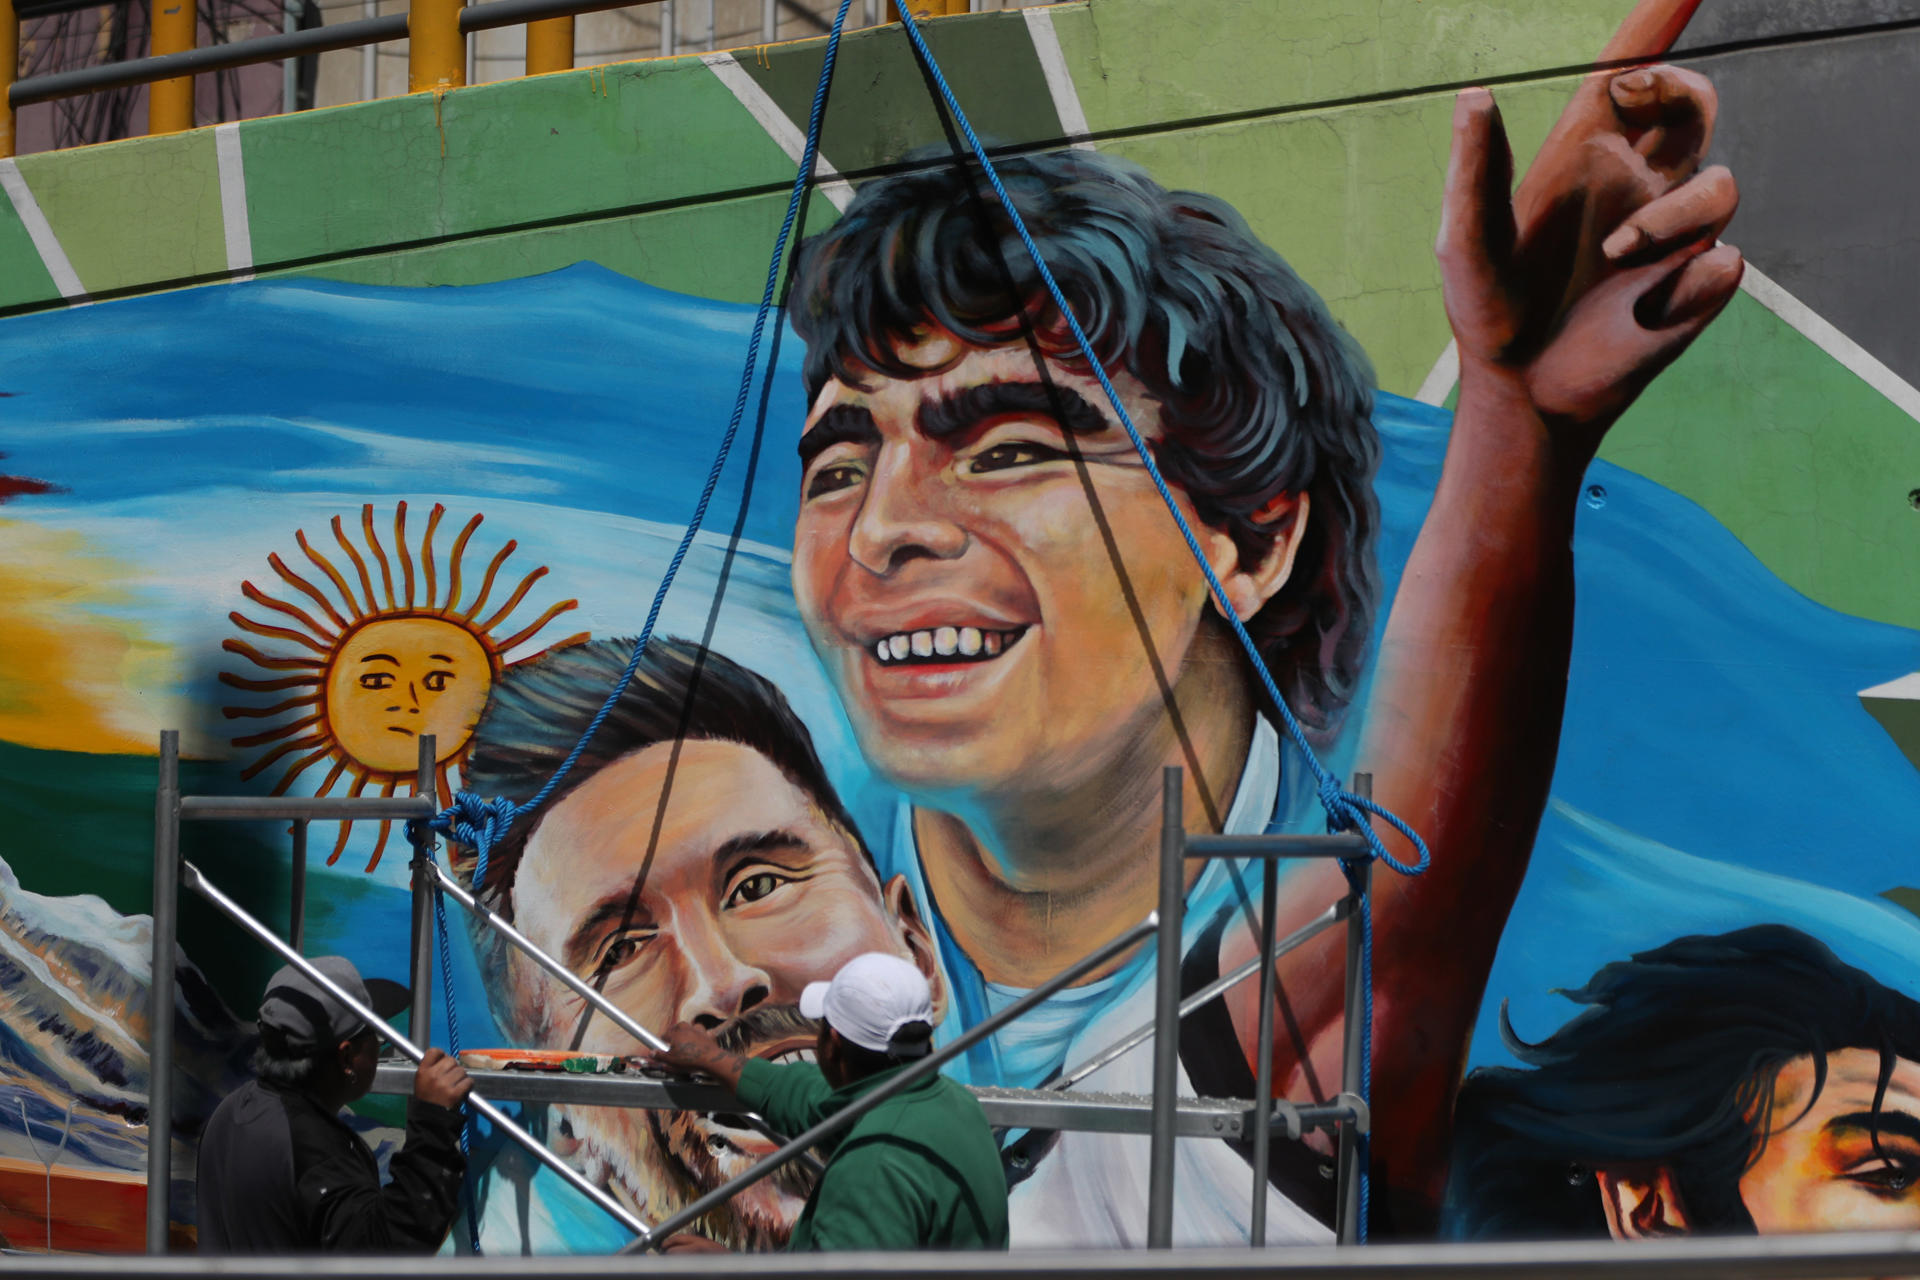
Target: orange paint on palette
(93,1210)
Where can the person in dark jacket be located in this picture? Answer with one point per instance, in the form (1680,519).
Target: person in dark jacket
(280,1172)
(919,1171)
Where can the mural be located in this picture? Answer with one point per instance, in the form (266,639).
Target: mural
(914,685)
(376,676)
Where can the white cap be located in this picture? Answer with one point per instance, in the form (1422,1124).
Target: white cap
(870,1000)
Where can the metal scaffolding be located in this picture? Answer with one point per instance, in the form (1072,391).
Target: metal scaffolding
(1163,1116)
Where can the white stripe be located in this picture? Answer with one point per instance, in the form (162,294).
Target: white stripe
(233,200)
(52,256)
(789,139)
(1053,65)
(1440,379)
(1817,330)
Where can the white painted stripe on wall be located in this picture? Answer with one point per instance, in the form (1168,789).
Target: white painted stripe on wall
(1438,384)
(783,131)
(52,256)
(1822,334)
(1053,65)
(233,200)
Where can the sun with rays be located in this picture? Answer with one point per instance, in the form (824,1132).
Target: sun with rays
(370,672)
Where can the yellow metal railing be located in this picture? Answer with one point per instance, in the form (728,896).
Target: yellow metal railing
(436,31)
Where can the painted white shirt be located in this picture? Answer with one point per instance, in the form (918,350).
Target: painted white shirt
(1090,1189)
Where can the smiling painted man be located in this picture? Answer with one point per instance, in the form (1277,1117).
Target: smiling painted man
(712,899)
(1022,640)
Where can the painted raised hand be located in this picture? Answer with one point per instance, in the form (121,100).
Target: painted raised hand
(1597,272)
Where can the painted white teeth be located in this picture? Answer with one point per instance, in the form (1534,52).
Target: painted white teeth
(945,642)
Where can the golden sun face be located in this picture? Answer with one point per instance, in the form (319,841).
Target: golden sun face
(374,671)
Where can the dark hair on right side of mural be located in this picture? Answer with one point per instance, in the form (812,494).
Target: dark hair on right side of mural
(1262,393)
(1672,1064)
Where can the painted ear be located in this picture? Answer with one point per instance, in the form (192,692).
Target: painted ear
(919,940)
(1641,1205)
(1250,585)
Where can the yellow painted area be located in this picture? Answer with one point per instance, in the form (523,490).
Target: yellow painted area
(398,678)
(72,676)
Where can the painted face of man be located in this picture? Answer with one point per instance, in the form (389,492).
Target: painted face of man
(751,894)
(961,592)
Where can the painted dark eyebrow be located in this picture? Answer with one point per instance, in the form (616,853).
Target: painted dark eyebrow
(965,408)
(744,846)
(384,657)
(842,424)
(1898,1124)
(440,657)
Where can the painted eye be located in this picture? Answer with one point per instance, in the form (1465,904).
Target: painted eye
(754,888)
(1891,1178)
(832,479)
(435,681)
(622,951)
(1004,457)
(376,680)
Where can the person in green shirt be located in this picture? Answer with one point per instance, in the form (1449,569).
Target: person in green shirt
(919,1171)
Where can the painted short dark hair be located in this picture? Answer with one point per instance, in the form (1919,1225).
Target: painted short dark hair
(538,712)
(1672,1065)
(1261,392)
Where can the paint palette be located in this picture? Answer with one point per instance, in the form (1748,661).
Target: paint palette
(550,1060)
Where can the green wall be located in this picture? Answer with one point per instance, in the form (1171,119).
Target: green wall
(1325,123)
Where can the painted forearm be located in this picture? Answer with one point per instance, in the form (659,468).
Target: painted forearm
(1461,739)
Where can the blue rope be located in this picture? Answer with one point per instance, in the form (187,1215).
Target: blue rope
(478,823)
(1345,810)
(440,935)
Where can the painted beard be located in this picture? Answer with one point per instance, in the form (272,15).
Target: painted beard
(664,1160)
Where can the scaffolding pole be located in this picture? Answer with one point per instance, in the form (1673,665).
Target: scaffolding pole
(192,877)
(1166,1012)
(420,1016)
(1176,849)
(166,926)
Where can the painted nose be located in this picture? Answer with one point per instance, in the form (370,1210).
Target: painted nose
(902,518)
(719,984)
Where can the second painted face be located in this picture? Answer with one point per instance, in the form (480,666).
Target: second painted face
(752,892)
(957,584)
(1821,1168)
